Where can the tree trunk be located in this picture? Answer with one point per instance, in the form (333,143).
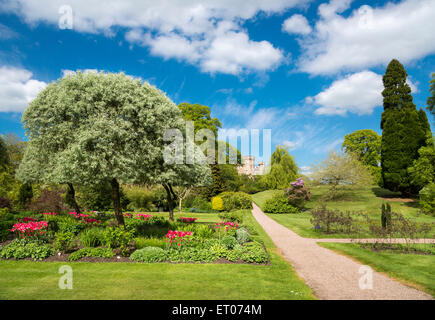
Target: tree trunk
(169,196)
(73,197)
(179,204)
(117,202)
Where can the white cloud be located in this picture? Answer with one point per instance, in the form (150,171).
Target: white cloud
(297,24)
(368,36)
(357,93)
(204,33)
(17,89)
(7,33)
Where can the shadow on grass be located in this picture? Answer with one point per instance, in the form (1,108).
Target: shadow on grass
(385,193)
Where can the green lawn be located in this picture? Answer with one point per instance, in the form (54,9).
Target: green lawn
(366,199)
(39,280)
(415,269)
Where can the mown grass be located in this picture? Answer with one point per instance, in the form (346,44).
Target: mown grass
(39,280)
(416,269)
(353,199)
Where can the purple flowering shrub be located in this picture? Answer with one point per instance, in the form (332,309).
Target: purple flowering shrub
(298,193)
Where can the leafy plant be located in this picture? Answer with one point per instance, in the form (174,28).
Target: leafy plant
(242,236)
(234,216)
(149,254)
(91,252)
(229,242)
(117,237)
(140,243)
(386,216)
(254,252)
(93,237)
(235,200)
(63,241)
(20,249)
(298,193)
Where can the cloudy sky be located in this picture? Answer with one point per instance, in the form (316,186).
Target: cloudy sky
(309,70)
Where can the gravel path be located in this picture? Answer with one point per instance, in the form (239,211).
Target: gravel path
(332,276)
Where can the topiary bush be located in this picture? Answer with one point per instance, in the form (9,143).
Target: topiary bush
(279,204)
(235,200)
(149,254)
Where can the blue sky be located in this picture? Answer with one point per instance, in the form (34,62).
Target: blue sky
(309,70)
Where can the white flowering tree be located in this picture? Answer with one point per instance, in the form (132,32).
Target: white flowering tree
(89,128)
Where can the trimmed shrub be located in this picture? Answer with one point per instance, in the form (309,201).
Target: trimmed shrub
(236,200)
(149,254)
(202,204)
(279,204)
(217,203)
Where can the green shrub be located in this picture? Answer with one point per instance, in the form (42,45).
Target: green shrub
(242,236)
(236,200)
(70,224)
(202,204)
(199,231)
(219,250)
(20,249)
(141,242)
(254,252)
(93,237)
(149,254)
(229,242)
(91,252)
(232,216)
(117,237)
(63,241)
(427,199)
(279,204)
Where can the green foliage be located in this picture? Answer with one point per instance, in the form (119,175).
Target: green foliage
(25,194)
(235,253)
(217,182)
(230,177)
(366,146)
(252,184)
(200,115)
(69,224)
(404,131)
(234,216)
(217,203)
(118,237)
(140,198)
(254,252)
(4,155)
(242,236)
(279,204)
(99,197)
(236,200)
(338,170)
(201,204)
(229,242)
(20,249)
(92,237)
(63,241)
(141,242)
(431,99)
(91,252)
(149,255)
(422,171)
(283,169)
(191,254)
(427,199)
(386,216)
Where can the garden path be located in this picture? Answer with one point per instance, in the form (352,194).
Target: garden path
(332,276)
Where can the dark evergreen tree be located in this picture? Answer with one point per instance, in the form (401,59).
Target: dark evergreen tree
(404,130)
(431,99)
(25,194)
(4,156)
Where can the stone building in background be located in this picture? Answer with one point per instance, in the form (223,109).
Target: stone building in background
(248,166)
